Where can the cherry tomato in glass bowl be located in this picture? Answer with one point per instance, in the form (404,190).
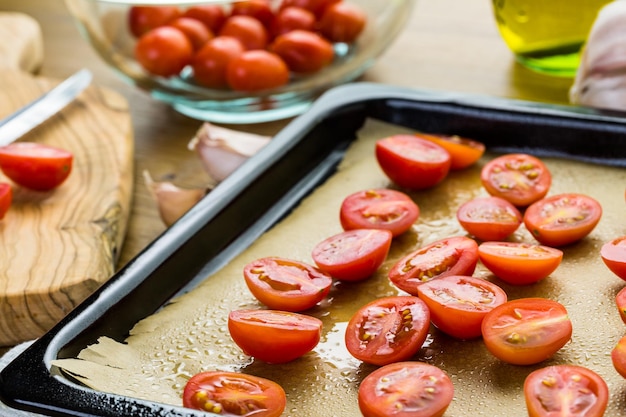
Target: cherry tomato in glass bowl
(526,331)
(211,61)
(562,219)
(618,357)
(489,218)
(256,70)
(388,329)
(316,6)
(36,166)
(6,198)
(458,304)
(412,162)
(284,284)
(613,255)
(620,301)
(248,30)
(303,51)
(196,32)
(342,22)
(164,51)
(274,336)
(379,208)
(234,394)
(463,151)
(142,19)
(519,263)
(212,16)
(406,389)
(261,10)
(566,390)
(353,255)
(518,178)
(292,18)
(456,255)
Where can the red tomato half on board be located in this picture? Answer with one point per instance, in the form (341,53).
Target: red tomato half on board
(406,389)
(412,162)
(353,255)
(518,178)
(613,255)
(526,331)
(35,166)
(565,390)
(519,263)
(284,284)
(451,256)
(379,208)
(234,394)
(458,304)
(388,329)
(562,219)
(463,151)
(274,336)
(489,218)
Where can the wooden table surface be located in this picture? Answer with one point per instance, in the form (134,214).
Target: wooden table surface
(448,45)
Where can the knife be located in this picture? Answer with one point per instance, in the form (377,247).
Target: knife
(36,112)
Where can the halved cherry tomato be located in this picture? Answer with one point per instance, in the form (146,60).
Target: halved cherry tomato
(353,255)
(519,178)
(451,256)
(406,389)
(526,331)
(618,357)
(379,209)
(562,219)
(212,16)
(620,300)
(458,304)
(256,70)
(519,263)
(463,151)
(303,51)
(388,329)
(342,22)
(164,51)
(234,394)
(250,32)
(565,390)
(316,6)
(35,166)
(196,31)
(142,19)
(259,9)
(412,162)
(284,284)
(6,198)
(613,255)
(274,336)
(211,61)
(489,218)
(291,18)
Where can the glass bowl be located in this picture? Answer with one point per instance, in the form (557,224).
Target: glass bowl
(105,24)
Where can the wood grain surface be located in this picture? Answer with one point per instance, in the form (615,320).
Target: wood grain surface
(57,247)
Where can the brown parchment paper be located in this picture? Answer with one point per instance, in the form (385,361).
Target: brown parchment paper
(190,335)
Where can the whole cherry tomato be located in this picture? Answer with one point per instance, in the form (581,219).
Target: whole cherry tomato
(250,32)
(164,51)
(291,18)
(256,70)
(274,336)
(259,9)
(303,51)
(342,22)
(562,219)
(210,63)
(142,19)
(35,166)
(234,394)
(406,389)
(618,356)
(613,255)
(388,329)
(489,218)
(196,32)
(566,390)
(212,16)
(463,151)
(316,6)
(6,198)
(620,301)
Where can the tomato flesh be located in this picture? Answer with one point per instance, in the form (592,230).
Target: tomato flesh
(354,254)
(234,394)
(458,304)
(526,331)
(562,219)
(519,263)
(451,256)
(565,390)
(274,336)
(613,255)
(405,389)
(388,329)
(489,218)
(463,151)
(284,284)
(35,166)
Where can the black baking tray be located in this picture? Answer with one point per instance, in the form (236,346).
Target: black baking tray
(260,193)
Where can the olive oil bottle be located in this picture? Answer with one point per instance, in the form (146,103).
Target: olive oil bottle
(547,35)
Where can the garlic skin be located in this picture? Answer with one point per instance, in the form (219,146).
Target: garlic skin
(601,77)
(223,150)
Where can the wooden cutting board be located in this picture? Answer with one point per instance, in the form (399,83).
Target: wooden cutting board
(57,247)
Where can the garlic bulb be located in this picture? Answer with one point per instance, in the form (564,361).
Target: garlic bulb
(223,150)
(601,77)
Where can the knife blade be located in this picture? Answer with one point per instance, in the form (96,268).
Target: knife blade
(36,112)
